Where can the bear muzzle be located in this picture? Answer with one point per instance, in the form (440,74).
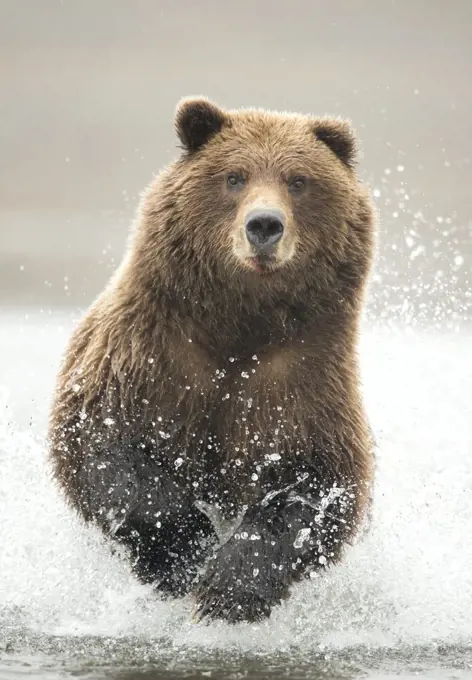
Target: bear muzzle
(264,229)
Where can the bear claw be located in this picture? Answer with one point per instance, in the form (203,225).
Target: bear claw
(214,605)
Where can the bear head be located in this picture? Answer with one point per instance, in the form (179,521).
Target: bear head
(260,200)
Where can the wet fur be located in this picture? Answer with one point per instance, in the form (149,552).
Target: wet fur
(190,372)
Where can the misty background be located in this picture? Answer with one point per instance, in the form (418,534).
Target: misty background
(88,90)
(87,98)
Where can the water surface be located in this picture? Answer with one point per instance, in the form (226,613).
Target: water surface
(400,604)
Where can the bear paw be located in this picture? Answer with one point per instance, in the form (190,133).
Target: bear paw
(230,606)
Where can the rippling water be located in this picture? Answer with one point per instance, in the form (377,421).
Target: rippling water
(401,603)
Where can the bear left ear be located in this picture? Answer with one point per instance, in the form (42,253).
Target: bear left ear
(196,120)
(339,136)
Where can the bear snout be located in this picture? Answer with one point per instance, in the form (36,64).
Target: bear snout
(264,229)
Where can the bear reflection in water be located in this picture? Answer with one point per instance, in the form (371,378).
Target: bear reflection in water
(207,414)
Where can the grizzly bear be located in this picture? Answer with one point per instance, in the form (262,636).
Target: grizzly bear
(216,377)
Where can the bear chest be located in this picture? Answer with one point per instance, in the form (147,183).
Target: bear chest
(262,403)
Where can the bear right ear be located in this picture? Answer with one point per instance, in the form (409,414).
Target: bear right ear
(196,120)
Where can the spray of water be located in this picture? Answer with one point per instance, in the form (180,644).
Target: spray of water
(409,581)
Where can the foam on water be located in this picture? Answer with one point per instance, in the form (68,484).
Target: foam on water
(408,581)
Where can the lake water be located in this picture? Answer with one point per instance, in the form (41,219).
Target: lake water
(400,604)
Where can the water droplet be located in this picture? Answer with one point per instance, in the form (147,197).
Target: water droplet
(302,536)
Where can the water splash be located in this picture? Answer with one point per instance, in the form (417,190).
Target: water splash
(408,581)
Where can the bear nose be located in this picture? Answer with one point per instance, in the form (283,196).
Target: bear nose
(264,228)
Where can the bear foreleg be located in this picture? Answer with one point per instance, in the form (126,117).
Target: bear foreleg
(136,501)
(289,533)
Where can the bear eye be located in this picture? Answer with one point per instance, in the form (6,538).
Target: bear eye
(234,180)
(297,184)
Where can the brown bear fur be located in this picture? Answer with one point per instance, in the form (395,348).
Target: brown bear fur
(205,376)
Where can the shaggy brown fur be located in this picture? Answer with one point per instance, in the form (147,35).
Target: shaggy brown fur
(205,374)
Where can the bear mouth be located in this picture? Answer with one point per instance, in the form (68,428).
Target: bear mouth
(262,265)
